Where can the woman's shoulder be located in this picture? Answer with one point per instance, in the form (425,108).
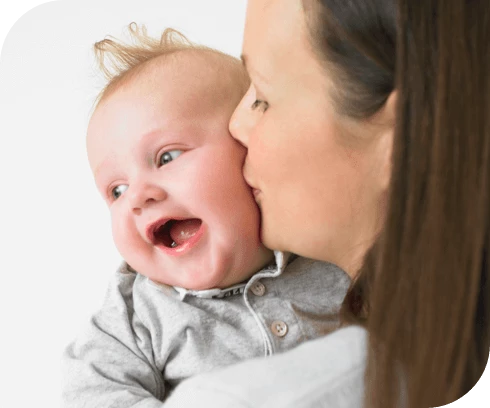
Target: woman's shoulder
(324,372)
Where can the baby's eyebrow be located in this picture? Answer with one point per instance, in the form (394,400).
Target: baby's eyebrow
(100,167)
(100,173)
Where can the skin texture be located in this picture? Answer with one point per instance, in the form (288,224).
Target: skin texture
(320,178)
(180,105)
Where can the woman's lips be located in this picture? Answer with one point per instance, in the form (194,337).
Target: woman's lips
(255,191)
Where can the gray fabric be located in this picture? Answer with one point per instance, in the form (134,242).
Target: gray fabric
(323,373)
(146,339)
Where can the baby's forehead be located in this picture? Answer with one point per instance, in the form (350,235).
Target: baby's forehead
(207,65)
(216,66)
(200,71)
(182,85)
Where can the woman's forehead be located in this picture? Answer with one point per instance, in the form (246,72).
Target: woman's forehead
(276,46)
(273,18)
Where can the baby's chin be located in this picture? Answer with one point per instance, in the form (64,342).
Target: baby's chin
(190,278)
(221,270)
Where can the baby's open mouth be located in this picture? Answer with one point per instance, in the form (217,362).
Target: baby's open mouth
(173,233)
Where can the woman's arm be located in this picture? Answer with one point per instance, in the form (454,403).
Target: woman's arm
(328,372)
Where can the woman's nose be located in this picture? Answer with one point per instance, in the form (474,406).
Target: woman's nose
(142,195)
(238,127)
(243,120)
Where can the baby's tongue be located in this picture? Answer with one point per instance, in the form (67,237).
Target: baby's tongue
(181,231)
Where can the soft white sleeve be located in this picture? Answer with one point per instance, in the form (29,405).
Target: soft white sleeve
(327,372)
(110,365)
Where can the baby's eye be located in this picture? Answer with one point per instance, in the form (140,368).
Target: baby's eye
(260,103)
(117,191)
(167,157)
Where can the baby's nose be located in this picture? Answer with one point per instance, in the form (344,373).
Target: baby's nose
(143,195)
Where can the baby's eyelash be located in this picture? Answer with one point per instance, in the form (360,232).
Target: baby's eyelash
(259,102)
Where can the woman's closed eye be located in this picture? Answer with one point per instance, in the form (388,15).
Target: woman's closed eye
(260,103)
(168,156)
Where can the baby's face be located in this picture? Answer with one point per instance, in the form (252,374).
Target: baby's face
(171,175)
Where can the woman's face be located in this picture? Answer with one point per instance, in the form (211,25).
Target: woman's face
(319,178)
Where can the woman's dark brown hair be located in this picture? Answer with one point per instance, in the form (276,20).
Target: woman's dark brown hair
(423,292)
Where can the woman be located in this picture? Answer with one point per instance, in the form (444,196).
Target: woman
(375,157)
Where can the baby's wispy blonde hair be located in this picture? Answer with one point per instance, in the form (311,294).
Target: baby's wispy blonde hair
(120,61)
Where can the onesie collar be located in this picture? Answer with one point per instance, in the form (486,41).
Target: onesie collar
(273,270)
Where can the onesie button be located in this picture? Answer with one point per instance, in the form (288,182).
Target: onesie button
(258,289)
(279,328)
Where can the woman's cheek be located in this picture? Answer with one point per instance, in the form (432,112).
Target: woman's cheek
(258,149)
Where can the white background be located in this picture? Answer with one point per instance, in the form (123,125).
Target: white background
(56,247)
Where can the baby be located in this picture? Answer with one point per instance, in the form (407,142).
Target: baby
(197,289)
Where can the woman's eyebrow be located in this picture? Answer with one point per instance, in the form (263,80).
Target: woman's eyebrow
(244,59)
(251,70)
